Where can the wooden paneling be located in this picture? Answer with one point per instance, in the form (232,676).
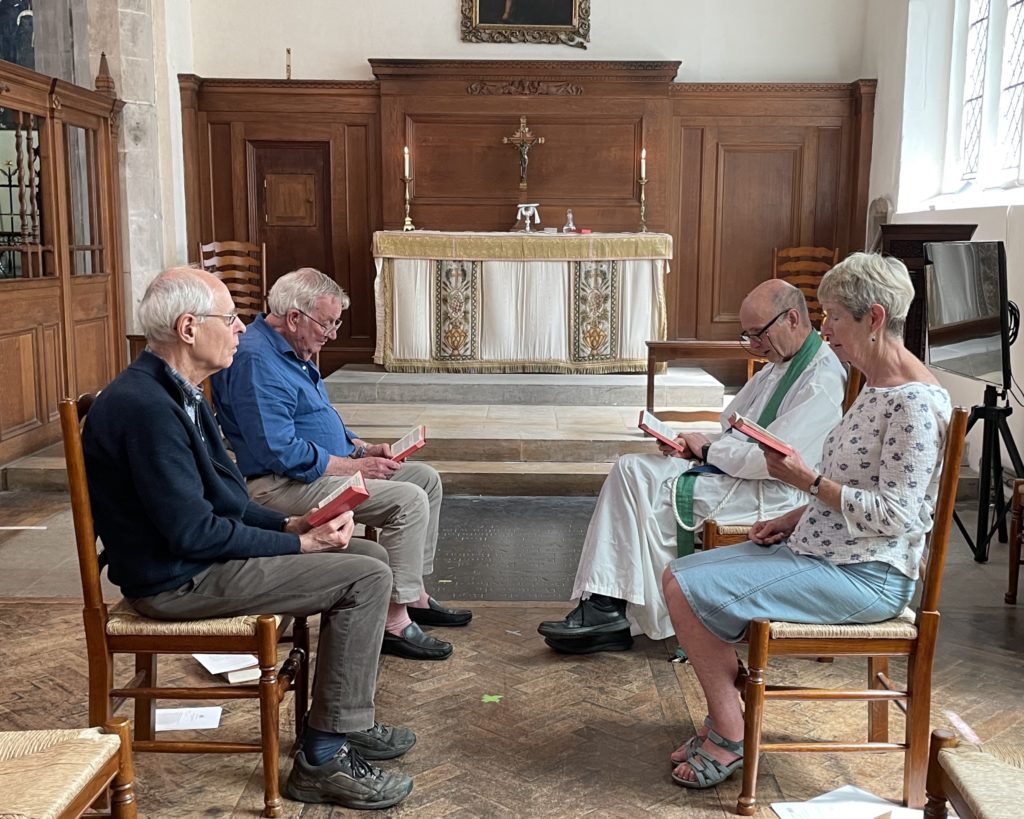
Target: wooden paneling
(733,169)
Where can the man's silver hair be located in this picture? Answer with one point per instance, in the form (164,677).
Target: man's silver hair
(300,289)
(863,279)
(169,296)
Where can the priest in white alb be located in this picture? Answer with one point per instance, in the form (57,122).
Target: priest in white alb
(651,506)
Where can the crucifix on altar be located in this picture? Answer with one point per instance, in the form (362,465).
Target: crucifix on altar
(523,139)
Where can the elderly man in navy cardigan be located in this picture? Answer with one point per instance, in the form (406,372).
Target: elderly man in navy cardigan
(184,541)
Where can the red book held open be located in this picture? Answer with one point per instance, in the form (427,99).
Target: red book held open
(759,434)
(414,439)
(659,429)
(347,496)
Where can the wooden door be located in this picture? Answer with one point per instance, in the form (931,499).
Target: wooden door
(59,263)
(293,205)
(758,192)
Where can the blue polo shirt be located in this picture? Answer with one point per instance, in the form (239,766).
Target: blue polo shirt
(274,409)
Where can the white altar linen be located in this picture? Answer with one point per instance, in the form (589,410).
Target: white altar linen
(518,302)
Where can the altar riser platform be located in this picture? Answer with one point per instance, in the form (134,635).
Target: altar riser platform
(678,387)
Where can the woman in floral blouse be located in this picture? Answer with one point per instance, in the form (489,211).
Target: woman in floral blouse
(850,555)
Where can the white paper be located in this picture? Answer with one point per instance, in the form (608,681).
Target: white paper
(221,663)
(188,719)
(847,802)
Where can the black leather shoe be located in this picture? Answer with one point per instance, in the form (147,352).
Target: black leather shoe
(585,619)
(413,644)
(609,641)
(437,615)
(382,741)
(347,780)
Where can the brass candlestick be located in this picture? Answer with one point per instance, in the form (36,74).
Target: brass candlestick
(407,224)
(643,204)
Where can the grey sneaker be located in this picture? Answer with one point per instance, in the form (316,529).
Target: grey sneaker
(347,780)
(382,741)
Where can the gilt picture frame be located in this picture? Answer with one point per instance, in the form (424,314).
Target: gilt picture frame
(526,21)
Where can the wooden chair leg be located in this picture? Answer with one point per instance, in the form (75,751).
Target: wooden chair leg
(122,789)
(270,714)
(935,790)
(145,707)
(300,639)
(757,660)
(919,686)
(878,712)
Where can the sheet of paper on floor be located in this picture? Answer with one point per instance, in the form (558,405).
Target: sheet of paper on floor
(222,663)
(188,719)
(846,802)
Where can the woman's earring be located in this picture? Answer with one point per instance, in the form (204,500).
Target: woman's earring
(873,339)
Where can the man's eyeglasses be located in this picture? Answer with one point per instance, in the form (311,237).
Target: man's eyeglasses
(227,318)
(757,338)
(328,328)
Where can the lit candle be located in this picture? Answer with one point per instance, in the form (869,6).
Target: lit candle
(405,152)
(643,164)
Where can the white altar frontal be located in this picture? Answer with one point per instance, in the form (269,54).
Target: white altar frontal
(518,302)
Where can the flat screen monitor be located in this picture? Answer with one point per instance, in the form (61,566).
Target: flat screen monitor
(968,321)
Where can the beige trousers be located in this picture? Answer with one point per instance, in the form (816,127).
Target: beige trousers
(405,509)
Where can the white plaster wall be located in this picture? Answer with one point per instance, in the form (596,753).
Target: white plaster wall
(738,41)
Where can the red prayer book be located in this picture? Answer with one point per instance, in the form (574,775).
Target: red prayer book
(759,434)
(414,439)
(659,429)
(347,496)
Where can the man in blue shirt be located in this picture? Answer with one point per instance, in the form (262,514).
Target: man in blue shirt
(294,450)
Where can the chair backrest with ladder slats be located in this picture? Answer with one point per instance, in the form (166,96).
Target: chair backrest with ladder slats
(72,415)
(803,268)
(242,267)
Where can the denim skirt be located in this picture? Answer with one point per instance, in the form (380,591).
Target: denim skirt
(728,587)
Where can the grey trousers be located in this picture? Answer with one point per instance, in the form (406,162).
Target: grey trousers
(405,508)
(350,592)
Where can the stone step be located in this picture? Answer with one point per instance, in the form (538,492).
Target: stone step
(678,386)
(522,478)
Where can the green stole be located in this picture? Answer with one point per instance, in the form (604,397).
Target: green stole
(685,482)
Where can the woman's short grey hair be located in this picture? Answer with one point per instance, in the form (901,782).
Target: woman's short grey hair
(863,279)
(169,296)
(300,289)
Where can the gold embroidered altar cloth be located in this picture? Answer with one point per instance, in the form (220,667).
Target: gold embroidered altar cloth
(517,302)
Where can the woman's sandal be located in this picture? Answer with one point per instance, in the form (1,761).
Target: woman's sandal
(691,745)
(708,770)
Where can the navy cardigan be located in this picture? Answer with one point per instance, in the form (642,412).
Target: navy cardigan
(168,502)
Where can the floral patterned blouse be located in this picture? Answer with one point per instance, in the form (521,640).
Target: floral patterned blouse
(886,453)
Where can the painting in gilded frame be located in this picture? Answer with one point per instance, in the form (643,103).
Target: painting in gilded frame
(526,21)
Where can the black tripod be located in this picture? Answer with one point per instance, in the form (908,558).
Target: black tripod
(994,428)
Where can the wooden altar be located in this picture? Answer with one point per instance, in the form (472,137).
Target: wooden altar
(518,302)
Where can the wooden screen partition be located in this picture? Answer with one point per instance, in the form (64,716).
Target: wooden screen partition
(60,261)
(733,170)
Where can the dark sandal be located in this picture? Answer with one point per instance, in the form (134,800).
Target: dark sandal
(708,770)
(691,746)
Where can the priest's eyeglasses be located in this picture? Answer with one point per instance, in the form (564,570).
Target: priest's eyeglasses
(750,339)
(327,328)
(228,318)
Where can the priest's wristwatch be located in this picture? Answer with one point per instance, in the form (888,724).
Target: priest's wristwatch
(814,487)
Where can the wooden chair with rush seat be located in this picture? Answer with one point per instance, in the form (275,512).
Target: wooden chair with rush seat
(1016,535)
(980,781)
(913,635)
(120,630)
(64,773)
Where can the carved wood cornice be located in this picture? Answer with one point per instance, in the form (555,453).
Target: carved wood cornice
(551,70)
(205,84)
(827,88)
(525,88)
